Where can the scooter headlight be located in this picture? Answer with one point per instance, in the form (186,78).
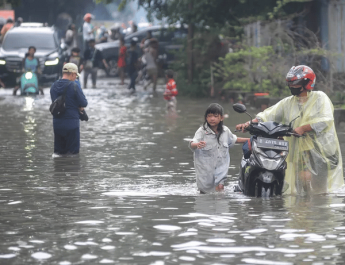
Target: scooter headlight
(258,150)
(28,75)
(269,163)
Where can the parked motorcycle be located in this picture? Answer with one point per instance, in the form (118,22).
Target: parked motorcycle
(29,83)
(262,171)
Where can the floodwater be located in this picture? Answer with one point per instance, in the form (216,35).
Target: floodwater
(130,196)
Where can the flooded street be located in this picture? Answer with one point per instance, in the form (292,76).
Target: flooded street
(130,197)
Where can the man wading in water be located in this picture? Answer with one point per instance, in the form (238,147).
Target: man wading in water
(66,127)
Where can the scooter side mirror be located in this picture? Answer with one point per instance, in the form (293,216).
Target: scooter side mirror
(240,108)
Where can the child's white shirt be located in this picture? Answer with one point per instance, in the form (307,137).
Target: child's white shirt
(212,162)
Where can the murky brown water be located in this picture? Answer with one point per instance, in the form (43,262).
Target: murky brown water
(130,196)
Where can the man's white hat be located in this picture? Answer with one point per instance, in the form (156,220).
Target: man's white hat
(70,68)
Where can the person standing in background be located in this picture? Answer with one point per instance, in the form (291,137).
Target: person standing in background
(151,55)
(133,64)
(9,24)
(121,63)
(92,60)
(71,38)
(88,30)
(170,92)
(103,34)
(18,22)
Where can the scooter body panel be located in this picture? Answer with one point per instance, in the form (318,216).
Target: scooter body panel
(29,84)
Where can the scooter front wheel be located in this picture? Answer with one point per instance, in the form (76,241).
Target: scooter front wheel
(258,189)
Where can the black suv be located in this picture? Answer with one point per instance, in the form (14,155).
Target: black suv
(170,40)
(16,44)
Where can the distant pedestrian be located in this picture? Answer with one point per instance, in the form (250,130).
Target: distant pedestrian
(67,127)
(151,55)
(9,24)
(92,60)
(147,38)
(103,35)
(115,33)
(18,22)
(75,58)
(121,63)
(133,65)
(71,37)
(210,145)
(88,30)
(170,92)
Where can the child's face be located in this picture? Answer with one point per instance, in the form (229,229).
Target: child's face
(75,54)
(214,119)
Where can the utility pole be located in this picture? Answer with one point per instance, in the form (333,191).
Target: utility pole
(190,46)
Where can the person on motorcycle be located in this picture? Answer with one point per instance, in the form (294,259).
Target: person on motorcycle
(314,160)
(30,62)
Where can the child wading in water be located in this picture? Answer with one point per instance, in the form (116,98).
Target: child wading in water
(211,145)
(170,92)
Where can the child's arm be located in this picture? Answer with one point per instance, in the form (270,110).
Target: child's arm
(199,145)
(198,140)
(242,140)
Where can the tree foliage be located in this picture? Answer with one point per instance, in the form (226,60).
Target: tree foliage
(263,69)
(216,12)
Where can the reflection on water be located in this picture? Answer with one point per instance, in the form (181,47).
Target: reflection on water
(130,196)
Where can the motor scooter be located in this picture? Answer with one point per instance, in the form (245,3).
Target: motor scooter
(262,172)
(29,83)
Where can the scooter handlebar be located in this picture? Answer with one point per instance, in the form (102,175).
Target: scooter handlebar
(296,134)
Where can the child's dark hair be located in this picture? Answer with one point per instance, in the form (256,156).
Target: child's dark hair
(215,108)
(169,73)
(76,50)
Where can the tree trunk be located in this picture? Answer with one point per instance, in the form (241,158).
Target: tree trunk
(190,47)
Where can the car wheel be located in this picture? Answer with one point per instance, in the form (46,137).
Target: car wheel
(112,70)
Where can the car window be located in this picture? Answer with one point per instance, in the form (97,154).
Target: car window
(15,41)
(140,35)
(180,34)
(167,34)
(156,34)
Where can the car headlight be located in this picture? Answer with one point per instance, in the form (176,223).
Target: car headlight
(53,62)
(28,75)
(2,62)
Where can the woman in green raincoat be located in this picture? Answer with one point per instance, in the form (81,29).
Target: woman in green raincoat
(314,161)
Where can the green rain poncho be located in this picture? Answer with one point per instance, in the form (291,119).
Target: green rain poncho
(317,155)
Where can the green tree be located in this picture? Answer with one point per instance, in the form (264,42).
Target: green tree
(214,13)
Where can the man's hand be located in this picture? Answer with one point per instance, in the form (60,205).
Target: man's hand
(300,130)
(242,127)
(81,109)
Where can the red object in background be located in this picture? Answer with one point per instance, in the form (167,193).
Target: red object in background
(122,58)
(6,14)
(170,90)
(261,94)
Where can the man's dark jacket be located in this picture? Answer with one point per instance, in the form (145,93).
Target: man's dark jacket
(75,99)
